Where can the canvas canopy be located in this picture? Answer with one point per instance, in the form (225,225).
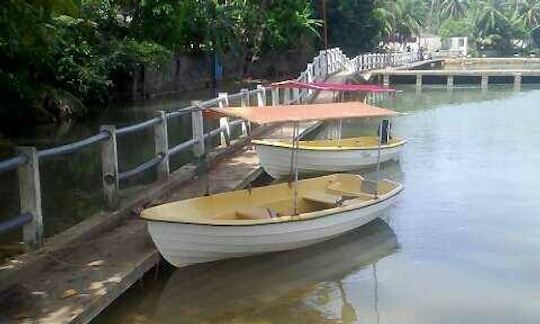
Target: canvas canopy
(298,113)
(325,86)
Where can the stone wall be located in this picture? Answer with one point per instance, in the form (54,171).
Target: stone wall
(192,73)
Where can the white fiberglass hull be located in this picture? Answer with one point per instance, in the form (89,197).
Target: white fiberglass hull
(182,244)
(276,160)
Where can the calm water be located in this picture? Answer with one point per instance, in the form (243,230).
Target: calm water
(461,246)
(492,66)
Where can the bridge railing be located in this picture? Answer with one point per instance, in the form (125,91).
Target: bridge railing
(27,161)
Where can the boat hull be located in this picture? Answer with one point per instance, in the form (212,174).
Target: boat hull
(276,160)
(183,244)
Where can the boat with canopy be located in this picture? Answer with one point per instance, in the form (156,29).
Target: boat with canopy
(276,217)
(335,154)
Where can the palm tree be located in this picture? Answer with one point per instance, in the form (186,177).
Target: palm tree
(528,12)
(402,18)
(453,8)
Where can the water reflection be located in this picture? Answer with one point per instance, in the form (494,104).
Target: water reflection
(293,286)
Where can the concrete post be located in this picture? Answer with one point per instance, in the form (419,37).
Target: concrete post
(244,99)
(197,127)
(244,102)
(323,61)
(296,95)
(386,80)
(517,81)
(275,96)
(225,136)
(450,81)
(161,142)
(286,96)
(261,96)
(419,80)
(30,197)
(485,81)
(109,167)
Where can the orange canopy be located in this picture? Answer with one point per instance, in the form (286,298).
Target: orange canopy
(297,113)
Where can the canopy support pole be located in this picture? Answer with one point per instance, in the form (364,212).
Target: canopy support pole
(377,173)
(340,129)
(294,166)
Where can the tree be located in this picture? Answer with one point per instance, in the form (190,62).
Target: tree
(453,9)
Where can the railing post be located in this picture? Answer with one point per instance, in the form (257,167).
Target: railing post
(286,96)
(244,102)
(225,136)
(296,95)
(161,141)
(261,96)
(109,167)
(197,127)
(275,96)
(30,197)
(323,61)
(244,99)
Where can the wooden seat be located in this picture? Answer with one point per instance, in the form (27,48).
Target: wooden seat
(256,213)
(361,189)
(323,198)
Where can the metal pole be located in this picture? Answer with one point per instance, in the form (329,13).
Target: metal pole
(340,128)
(379,148)
(325,23)
(296,146)
(30,197)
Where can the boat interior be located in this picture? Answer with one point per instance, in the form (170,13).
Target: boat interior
(363,142)
(315,197)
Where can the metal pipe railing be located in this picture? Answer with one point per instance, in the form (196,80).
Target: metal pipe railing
(138,127)
(141,168)
(72,147)
(15,222)
(12,163)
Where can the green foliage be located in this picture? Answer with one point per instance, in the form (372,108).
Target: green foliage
(455,28)
(57,53)
(354,25)
(490,24)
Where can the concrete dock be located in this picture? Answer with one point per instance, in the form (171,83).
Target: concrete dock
(502,71)
(83,270)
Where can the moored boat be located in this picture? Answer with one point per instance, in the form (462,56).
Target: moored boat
(318,156)
(248,222)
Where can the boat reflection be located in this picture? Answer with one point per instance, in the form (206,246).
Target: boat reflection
(249,289)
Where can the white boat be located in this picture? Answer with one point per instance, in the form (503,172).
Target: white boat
(277,217)
(318,156)
(242,223)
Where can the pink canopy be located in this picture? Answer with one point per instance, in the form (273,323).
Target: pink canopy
(324,86)
(297,113)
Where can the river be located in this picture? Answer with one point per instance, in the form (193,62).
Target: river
(461,246)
